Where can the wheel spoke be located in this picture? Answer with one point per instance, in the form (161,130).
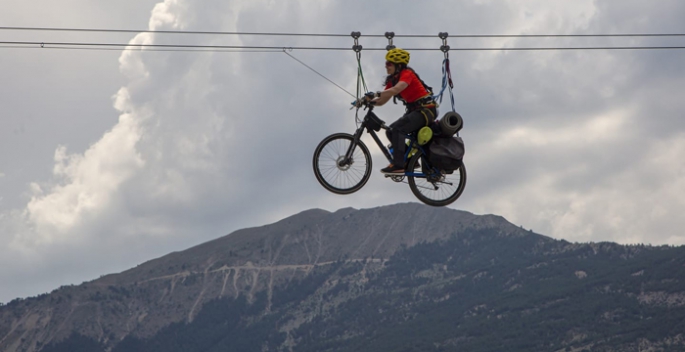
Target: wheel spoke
(439,192)
(346,178)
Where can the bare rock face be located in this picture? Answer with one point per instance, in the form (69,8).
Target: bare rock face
(174,288)
(401,277)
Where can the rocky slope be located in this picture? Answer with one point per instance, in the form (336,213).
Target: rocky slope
(402,277)
(174,288)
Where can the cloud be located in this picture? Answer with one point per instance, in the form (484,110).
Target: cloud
(582,145)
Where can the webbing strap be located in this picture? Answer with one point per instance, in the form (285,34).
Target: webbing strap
(360,77)
(446,82)
(423,111)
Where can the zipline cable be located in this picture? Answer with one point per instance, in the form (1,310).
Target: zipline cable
(317,72)
(47,45)
(170,32)
(102,30)
(144,49)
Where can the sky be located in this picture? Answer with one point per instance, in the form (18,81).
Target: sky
(109,158)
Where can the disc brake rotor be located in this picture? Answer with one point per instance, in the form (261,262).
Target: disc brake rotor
(343,167)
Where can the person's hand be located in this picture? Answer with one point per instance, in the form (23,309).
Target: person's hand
(366,99)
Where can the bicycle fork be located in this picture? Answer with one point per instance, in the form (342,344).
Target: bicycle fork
(347,160)
(357,139)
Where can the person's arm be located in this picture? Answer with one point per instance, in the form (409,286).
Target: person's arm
(389,93)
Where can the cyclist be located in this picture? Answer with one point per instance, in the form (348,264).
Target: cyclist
(404,84)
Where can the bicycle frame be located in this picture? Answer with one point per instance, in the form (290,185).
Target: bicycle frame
(364,126)
(342,164)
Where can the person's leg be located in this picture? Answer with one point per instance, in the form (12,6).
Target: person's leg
(411,122)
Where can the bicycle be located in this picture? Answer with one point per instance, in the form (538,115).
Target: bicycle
(342,164)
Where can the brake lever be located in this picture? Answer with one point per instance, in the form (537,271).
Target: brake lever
(365,105)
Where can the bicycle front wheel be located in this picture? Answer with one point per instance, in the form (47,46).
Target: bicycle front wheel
(437,189)
(334,172)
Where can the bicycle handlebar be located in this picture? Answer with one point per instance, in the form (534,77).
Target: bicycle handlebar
(365,101)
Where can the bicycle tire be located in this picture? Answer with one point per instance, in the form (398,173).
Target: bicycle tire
(328,171)
(439,193)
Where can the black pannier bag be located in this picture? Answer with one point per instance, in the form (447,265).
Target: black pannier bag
(446,153)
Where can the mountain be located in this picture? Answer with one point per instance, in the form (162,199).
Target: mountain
(405,277)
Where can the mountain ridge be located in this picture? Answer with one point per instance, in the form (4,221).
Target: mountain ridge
(317,272)
(173,288)
(295,223)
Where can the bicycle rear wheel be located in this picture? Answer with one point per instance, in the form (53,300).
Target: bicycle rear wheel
(333,172)
(437,189)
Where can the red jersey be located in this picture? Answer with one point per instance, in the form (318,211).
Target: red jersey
(414,90)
